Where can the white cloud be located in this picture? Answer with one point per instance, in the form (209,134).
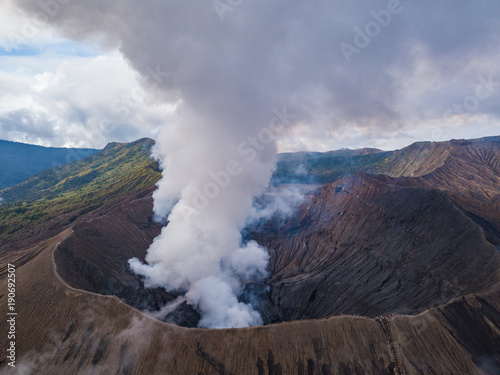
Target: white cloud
(18,30)
(464,126)
(406,77)
(57,92)
(76,101)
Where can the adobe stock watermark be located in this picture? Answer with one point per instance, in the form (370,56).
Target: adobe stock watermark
(11,315)
(222,7)
(372,29)
(31,28)
(249,150)
(484,90)
(454,115)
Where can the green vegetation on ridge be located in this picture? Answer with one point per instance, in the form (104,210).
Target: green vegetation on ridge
(80,187)
(123,169)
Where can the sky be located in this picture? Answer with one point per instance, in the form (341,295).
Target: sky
(354,74)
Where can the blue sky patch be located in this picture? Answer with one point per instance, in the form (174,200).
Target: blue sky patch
(64,48)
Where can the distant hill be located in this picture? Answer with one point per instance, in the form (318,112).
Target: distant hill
(326,167)
(20,161)
(58,196)
(416,160)
(65,192)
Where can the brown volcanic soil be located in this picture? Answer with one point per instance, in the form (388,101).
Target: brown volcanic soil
(372,245)
(65,331)
(365,245)
(471,177)
(467,170)
(95,256)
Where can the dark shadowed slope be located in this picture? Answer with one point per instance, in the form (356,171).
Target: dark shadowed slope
(95,256)
(372,245)
(19,161)
(471,177)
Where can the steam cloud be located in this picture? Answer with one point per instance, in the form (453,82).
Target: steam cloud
(228,69)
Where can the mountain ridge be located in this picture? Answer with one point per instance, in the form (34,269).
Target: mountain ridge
(365,244)
(82,181)
(415,160)
(64,193)
(21,161)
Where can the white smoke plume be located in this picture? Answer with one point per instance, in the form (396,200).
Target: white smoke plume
(228,69)
(167,309)
(279,201)
(211,194)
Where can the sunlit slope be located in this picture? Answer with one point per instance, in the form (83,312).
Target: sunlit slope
(63,194)
(118,170)
(418,159)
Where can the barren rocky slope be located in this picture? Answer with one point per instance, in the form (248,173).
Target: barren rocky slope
(75,332)
(95,256)
(365,245)
(372,245)
(424,241)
